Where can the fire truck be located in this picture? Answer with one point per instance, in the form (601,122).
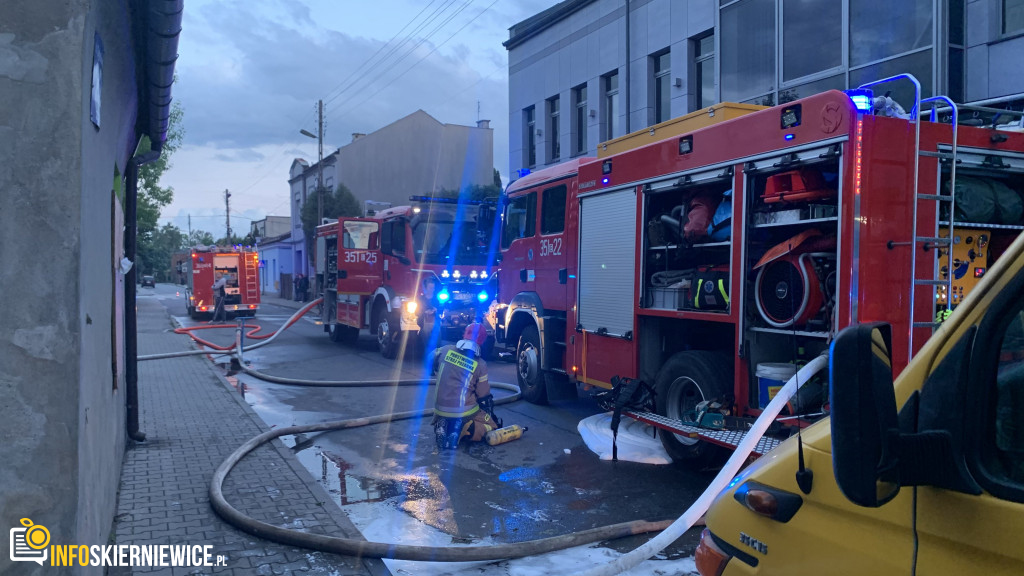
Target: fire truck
(408,270)
(714,262)
(241,267)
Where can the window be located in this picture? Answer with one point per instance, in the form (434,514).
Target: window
(704,70)
(611,106)
(531,136)
(579,98)
(552,211)
(520,219)
(1013,16)
(812,37)
(877,31)
(747,50)
(1009,415)
(662,87)
(359,235)
(919,64)
(554,111)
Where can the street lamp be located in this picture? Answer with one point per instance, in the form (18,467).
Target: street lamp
(319,137)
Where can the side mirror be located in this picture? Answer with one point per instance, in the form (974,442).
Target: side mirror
(865,426)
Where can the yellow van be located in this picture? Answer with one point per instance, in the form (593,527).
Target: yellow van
(936,487)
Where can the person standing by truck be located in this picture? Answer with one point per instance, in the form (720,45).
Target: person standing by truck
(464,405)
(220,291)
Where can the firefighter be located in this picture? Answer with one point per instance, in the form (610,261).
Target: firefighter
(464,405)
(219,292)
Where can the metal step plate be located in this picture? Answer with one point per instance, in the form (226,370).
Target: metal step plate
(728,438)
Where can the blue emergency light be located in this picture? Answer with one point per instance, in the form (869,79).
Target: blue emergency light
(443,296)
(482,296)
(861,99)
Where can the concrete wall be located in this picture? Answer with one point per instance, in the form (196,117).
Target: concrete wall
(61,404)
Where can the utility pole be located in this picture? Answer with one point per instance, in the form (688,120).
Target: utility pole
(190,228)
(320,169)
(227,208)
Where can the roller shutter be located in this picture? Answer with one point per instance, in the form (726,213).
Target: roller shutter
(607,266)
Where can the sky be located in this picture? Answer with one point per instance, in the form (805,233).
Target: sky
(249,74)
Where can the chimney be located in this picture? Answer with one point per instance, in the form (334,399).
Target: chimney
(357,136)
(483,123)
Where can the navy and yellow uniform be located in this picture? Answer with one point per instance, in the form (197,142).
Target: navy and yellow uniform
(461,382)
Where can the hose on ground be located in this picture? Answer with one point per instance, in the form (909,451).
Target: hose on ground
(670,530)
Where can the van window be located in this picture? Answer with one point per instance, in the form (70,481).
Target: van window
(1009,417)
(520,219)
(552,211)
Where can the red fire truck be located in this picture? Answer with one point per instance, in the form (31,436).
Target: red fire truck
(712,263)
(408,269)
(206,264)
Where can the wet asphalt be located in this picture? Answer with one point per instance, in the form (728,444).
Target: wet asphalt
(544,484)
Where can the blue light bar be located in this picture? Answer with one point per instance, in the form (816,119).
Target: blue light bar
(861,99)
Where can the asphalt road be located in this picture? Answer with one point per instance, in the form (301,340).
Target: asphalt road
(544,484)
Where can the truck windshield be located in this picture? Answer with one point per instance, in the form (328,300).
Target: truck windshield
(448,242)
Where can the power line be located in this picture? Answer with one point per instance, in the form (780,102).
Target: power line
(329,97)
(385,69)
(351,109)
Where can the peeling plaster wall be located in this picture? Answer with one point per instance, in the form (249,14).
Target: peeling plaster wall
(61,418)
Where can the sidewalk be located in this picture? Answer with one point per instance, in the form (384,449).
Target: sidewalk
(193,419)
(270,299)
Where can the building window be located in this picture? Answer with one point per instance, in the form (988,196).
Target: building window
(531,136)
(878,32)
(662,94)
(703,85)
(747,50)
(1013,16)
(812,37)
(554,111)
(611,106)
(579,98)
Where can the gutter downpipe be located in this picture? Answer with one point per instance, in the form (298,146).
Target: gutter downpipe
(163,26)
(628,66)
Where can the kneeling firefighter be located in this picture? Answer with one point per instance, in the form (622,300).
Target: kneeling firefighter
(464,404)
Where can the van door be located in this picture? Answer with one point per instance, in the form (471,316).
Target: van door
(981,534)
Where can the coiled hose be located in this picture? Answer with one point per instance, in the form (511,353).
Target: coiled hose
(670,531)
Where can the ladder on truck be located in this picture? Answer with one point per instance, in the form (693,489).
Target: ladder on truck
(252,282)
(932,240)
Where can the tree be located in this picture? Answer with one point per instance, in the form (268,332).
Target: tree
(472,193)
(497,179)
(152,197)
(155,256)
(337,204)
(201,238)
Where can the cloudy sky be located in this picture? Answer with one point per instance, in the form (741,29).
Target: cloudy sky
(250,73)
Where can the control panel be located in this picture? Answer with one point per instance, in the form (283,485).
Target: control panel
(970,262)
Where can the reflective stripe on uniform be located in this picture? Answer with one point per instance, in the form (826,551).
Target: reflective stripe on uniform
(454,412)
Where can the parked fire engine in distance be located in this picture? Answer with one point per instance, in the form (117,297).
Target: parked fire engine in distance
(409,273)
(713,263)
(206,264)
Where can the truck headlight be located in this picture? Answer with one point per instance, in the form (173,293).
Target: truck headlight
(411,306)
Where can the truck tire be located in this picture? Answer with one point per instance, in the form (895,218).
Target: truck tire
(387,334)
(687,379)
(529,374)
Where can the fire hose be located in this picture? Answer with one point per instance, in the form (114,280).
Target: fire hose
(669,531)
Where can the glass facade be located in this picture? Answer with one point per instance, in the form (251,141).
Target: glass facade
(878,29)
(812,37)
(747,49)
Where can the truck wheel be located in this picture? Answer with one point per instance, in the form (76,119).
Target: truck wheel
(528,370)
(687,379)
(336,332)
(387,335)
